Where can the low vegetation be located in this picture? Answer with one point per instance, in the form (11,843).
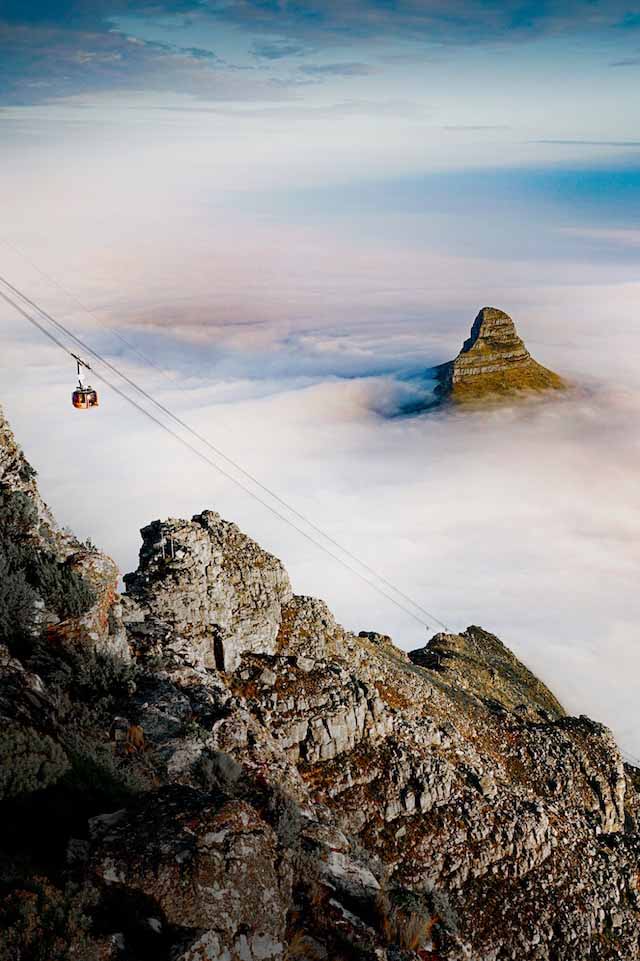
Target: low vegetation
(58,768)
(41,922)
(30,573)
(29,761)
(409,926)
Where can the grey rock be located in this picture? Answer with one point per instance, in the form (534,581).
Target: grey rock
(205,579)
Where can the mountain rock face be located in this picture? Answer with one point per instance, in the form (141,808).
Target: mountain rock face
(223,591)
(249,781)
(58,564)
(493,362)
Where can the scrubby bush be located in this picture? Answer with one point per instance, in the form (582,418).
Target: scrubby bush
(27,472)
(217,771)
(404,918)
(35,826)
(63,590)
(28,572)
(87,688)
(288,822)
(83,675)
(29,761)
(96,778)
(40,922)
(17,595)
(18,514)
(17,605)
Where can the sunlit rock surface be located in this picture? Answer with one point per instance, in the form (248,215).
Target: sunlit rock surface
(207,579)
(493,363)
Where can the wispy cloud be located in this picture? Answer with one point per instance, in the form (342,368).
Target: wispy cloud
(591,143)
(461,21)
(42,62)
(626,237)
(466,127)
(337,69)
(627,62)
(56,48)
(278,49)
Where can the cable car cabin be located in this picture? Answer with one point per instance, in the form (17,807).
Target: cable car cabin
(84,397)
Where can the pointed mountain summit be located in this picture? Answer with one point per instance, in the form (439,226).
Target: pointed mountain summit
(493,361)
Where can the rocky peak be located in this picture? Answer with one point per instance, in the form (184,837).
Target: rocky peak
(493,361)
(493,336)
(478,662)
(207,581)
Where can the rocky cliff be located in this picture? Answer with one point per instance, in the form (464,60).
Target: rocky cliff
(493,363)
(244,780)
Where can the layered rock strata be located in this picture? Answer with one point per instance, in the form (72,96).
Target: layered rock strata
(494,362)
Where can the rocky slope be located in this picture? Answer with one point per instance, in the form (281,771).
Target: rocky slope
(493,363)
(244,780)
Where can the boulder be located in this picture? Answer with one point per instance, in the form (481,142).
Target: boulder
(208,864)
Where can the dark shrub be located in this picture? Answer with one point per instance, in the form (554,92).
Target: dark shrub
(97,781)
(18,514)
(17,605)
(28,572)
(64,591)
(29,761)
(27,472)
(95,678)
(40,922)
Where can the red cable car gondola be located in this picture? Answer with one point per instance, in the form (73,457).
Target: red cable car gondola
(83,398)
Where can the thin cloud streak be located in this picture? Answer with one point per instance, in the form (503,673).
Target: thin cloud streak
(337,70)
(592,143)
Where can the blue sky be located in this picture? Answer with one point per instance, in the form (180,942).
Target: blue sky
(294,209)
(276,51)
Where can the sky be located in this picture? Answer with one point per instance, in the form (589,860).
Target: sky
(276,218)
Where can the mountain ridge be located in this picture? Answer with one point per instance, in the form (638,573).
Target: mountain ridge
(209,767)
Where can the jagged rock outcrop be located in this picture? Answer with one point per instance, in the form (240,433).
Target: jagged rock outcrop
(206,579)
(263,785)
(17,474)
(56,563)
(493,362)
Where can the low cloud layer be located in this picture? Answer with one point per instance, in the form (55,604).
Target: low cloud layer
(524,519)
(293,267)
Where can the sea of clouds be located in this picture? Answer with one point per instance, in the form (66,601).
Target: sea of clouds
(293,336)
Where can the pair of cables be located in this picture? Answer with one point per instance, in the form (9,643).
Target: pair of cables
(182,432)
